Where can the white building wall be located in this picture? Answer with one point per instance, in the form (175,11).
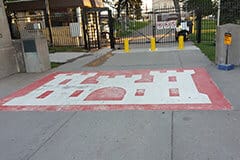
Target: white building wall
(156,4)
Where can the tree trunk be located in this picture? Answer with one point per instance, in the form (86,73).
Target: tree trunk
(177,8)
(119,8)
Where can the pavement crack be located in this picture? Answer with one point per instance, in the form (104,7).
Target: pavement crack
(100,60)
(180,60)
(172,127)
(50,137)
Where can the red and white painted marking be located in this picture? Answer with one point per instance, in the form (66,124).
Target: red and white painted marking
(181,89)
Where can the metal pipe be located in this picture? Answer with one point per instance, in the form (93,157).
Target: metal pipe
(218,13)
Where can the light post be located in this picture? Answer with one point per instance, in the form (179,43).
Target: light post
(219,12)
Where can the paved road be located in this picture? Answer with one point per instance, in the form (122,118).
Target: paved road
(135,135)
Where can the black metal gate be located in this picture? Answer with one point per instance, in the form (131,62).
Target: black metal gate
(159,24)
(98,27)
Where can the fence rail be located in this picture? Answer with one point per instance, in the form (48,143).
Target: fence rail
(61,36)
(138,29)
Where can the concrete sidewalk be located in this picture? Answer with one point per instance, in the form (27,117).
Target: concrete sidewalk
(64,57)
(18,81)
(124,135)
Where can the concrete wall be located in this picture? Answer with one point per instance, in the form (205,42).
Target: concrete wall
(19,56)
(7,51)
(42,49)
(156,4)
(234,48)
(7,61)
(37,60)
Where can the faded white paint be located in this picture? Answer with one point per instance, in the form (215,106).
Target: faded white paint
(156,92)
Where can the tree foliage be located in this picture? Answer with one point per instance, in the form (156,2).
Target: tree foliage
(132,7)
(177,7)
(230,11)
(205,7)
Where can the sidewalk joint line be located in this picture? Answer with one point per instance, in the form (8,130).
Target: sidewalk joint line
(181,63)
(50,137)
(172,135)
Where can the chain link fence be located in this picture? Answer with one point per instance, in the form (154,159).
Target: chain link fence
(230,12)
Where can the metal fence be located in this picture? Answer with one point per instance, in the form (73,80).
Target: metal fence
(204,29)
(91,30)
(206,24)
(230,12)
(201,15)
(159,24)
(36,24)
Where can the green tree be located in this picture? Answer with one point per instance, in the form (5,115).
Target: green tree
(132,7)
(177,7)
(230,11)
(205,7)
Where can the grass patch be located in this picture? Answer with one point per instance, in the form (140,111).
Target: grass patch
(55,65)
(208,31)
(66,49)
(208,36)
(208,48)
(209,24)
(130,27)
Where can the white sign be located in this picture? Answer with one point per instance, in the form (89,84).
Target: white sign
(75,29)
(166,25)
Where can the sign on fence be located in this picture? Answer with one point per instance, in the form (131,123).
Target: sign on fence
(166,25)
(166,21)
(227,38)
(75,29)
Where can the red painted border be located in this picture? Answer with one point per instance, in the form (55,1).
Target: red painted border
(201,78)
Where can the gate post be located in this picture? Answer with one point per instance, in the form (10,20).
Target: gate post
(49,21)
(111,29)
(154,31)
(96,17)
(199,25)
(84,23)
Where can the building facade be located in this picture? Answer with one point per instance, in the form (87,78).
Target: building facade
(157,4)
(65,18)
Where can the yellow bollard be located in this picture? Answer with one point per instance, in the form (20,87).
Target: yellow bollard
(126,45)
(193,27)
(153,44)
(181,42)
